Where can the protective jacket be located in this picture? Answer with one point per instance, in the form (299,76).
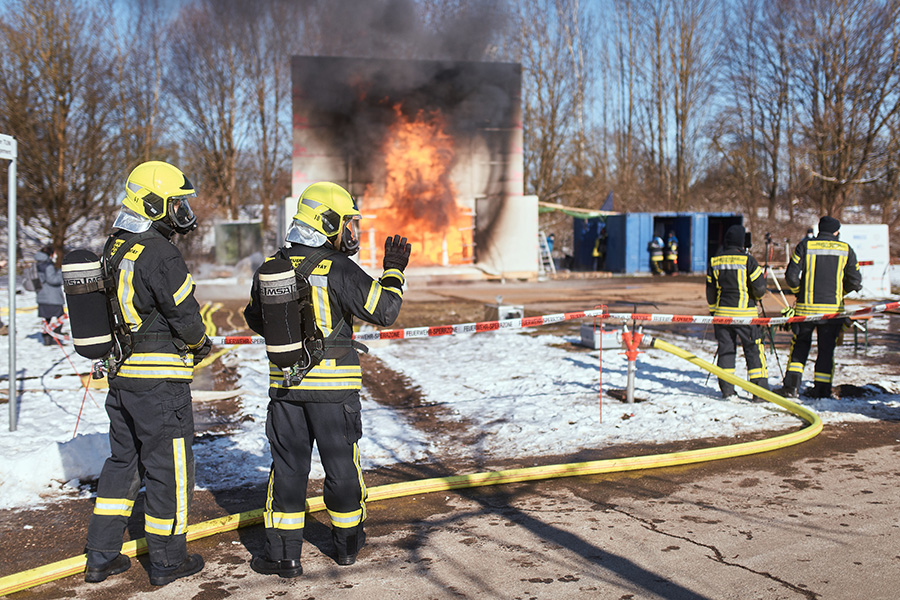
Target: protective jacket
(821,271)
(734,281)
(341,291)
(156,296)
(672,249)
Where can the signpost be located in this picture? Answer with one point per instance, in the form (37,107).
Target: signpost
(8,152)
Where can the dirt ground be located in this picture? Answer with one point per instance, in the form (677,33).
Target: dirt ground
(665,533)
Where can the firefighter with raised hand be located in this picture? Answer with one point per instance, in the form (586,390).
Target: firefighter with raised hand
(820,272)
(734,282)
(324,406)
(151,425)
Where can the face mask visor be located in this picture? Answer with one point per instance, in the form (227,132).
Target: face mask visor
(181,215)
(350,235)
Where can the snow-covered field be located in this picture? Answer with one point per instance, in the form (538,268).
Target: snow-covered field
(524,394)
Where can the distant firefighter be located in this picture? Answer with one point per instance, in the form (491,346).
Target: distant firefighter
(655,248)
(671,254)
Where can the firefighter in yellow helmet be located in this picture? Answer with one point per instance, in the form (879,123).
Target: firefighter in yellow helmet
(324,406)
(151,426)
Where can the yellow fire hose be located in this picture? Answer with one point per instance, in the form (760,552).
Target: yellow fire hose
(76,564)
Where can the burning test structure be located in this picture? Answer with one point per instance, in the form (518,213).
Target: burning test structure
(432,150)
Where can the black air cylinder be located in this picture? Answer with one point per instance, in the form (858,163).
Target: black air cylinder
(278,297)
(88,307)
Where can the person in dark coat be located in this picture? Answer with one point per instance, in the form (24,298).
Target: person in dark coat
(49,296)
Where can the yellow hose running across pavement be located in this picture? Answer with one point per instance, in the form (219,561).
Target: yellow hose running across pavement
(72,566)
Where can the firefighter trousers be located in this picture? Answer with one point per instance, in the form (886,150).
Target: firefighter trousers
(827,333)
(150,437)
(335,427)
(750,339)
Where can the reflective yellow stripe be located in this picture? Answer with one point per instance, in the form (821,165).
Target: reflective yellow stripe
(148,365)
(287,521)
(181,492)
(126,295)
(362,484)
(323,370)
(373,297)
(322,309)
(267,513)
(113,507)
(155,364)
(816,309)
(184,291)
(158,526)
(729,311)
(324,385)
(795,367)
(345,520)
(395,273)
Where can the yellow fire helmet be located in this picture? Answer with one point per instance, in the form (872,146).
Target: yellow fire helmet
(329,209)
(158,191)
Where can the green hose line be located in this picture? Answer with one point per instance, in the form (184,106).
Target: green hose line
(72,566)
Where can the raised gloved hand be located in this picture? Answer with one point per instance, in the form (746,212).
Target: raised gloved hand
(787,313)
(202,351)
(396,253)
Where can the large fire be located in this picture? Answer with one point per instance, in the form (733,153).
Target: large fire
(417,198)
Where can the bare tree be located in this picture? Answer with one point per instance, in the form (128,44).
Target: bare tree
(551,92)
(139,77)
(56,98)
(847,65)
(205,81)
(693,59)
(750,130)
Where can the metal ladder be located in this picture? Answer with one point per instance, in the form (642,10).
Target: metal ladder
(545,264)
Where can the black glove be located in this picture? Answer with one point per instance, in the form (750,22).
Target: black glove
(396,253)
(202,351)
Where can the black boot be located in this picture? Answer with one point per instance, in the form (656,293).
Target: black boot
(787,392)
(820,390)
(163,575)
(283,568)
(119,564)
(354,541)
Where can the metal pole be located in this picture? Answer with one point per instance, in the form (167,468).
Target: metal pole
(13,412)
(629,387)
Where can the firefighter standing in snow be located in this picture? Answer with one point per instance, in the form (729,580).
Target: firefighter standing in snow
(821,271)
(151,425)
(323,407)
(734,282)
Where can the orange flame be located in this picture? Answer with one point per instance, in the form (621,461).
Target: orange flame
(418,199)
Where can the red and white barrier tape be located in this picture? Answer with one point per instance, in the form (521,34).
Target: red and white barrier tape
(422,332)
